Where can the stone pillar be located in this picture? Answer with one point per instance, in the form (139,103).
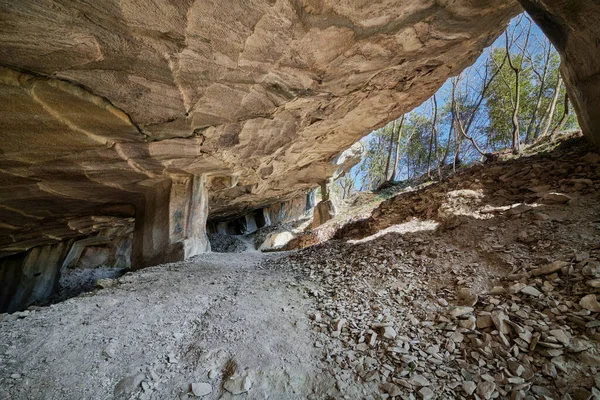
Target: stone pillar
(251,226)
(326,209)
(267,217)
(311,200)
(573,27)
(196,239)
(170,225)
(151,239)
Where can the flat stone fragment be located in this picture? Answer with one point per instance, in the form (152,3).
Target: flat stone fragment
(238,385)
(469,387)
(541,216)
(515,367)
(486,389)
(499,319)
(484,320)
(426,393)
(456,312)
(391,389)
(590,302)
(419,380)
(128,385)
(389,332)
(589,359)
(595,283)
(201,389)
(581,394)
(561,336)
(531,291)
(557,197)
(550,268)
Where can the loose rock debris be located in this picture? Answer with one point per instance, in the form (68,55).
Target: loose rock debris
(480,288)
(502,304)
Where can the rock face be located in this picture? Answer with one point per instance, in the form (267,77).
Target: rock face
(574,29)
(174,112)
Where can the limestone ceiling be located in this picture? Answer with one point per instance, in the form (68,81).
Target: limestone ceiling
(101,99)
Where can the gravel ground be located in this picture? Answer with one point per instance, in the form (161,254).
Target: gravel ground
(216,319)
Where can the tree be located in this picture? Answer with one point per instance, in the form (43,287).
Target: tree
(552,107)
(510,96)
(540,66)
(516,65)
(433,137)
(396,157)
(467,111)
(565,116)
(389,156)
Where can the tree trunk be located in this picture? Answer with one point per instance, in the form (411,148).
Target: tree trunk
(434,110)
(459,124)
(408,165)
(389,156)
(516,142)
(563,120)
(396,156)
(435,137)
(542,77)
(516,139)
(456,148)
(450,131)
(552,107)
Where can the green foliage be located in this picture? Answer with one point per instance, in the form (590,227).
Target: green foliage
(373,165)
(483,105)
(419,128)
(500,98)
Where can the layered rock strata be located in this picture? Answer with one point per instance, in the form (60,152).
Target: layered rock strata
(175,112)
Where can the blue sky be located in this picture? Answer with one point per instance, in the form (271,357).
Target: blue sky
(444,92)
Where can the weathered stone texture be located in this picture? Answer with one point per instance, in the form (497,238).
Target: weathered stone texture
(176,111)
(113,95)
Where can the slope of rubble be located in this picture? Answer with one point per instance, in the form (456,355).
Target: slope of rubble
(483,286)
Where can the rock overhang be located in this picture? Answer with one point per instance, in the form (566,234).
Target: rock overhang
(104,102)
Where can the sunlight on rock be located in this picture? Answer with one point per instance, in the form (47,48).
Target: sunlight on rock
(412,226)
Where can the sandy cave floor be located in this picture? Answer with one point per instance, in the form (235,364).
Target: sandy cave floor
(174,324)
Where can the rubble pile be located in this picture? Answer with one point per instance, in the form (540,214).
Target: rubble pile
(222,243)
(502,304)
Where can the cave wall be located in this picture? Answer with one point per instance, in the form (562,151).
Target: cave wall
(32,276)
(112,251)
(101,101)
(286,211)
(177,112)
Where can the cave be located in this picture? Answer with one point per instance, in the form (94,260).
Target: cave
(133,130)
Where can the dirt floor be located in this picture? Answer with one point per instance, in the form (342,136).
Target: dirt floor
(480,287)
(158,331)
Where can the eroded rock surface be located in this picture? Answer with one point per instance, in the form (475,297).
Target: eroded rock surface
(160,110)
(111,98)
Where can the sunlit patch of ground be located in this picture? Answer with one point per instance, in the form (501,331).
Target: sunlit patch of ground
(412,226)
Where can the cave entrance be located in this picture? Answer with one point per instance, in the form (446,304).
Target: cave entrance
(259,218)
